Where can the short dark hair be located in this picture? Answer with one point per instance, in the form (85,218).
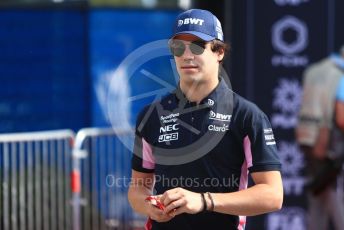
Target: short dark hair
(217,45)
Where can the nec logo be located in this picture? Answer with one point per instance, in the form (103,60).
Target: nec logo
(168,128)
(195,21)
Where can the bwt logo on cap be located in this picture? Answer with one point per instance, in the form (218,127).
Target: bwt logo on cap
(200,23)
(194,21)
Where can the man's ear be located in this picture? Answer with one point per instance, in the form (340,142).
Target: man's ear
(220,55)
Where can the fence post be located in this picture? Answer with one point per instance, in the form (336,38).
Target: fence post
(78,154)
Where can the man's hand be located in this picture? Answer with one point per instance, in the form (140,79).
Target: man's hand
(155,212)
(320,147)
(179,200)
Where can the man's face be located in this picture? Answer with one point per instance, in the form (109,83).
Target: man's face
(196,68)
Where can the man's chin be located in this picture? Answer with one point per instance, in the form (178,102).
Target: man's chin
(192,78)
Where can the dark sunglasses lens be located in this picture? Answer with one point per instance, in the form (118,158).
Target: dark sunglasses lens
(197,47)
(177,48)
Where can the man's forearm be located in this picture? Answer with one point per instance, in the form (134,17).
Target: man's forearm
(137,195)
(340,114)
(255,200)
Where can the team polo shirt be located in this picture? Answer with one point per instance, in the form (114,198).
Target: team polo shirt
(209,147)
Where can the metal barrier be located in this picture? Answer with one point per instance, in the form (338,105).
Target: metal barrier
(35,181)
(102,165)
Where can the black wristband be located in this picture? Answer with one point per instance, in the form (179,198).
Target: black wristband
(205,207)
(212,202)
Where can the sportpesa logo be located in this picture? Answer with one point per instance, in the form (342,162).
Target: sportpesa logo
(169,118)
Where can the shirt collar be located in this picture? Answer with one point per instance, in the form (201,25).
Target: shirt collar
(209,100)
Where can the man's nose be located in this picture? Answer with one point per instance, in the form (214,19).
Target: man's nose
(187,53)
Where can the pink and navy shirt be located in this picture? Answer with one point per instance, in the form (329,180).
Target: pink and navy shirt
(209,147)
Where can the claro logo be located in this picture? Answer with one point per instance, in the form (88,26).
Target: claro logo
(216,128)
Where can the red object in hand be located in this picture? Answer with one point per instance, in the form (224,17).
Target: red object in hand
(155,201)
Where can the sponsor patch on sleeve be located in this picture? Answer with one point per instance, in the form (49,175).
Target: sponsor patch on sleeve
(269,137)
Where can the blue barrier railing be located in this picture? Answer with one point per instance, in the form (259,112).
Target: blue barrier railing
(35,181)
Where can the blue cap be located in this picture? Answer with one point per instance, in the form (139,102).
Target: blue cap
(200,23)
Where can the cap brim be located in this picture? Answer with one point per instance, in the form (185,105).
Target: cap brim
(204,37)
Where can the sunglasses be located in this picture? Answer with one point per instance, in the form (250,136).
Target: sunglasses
(177,47)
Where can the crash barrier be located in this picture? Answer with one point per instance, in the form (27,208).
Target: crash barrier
(35,180)
(102,164)
(59,180)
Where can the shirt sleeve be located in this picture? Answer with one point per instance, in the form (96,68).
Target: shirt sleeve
(340,90)
(142,158)
(260,145)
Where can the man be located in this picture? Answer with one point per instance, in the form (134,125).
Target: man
(340,92)
(320,133)
(195,146)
